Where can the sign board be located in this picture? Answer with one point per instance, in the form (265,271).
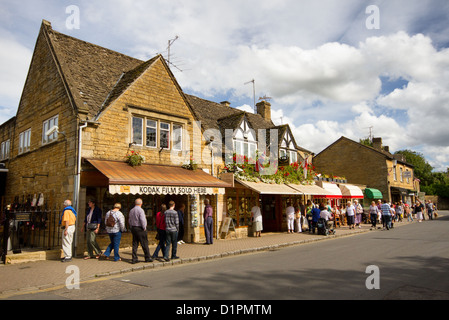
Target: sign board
(22,216)
(226,224)
(407,174)
(148,189)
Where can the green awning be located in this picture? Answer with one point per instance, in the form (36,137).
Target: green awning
(371,193)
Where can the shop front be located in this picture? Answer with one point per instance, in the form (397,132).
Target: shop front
(272,199)
(113,181)
(332,196)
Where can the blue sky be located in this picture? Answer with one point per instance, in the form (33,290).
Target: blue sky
(327,72)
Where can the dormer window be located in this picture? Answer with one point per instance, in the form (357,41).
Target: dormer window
(245,142)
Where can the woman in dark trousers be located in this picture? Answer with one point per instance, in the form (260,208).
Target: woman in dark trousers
(160,226)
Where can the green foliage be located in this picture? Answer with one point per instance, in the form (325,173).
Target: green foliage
(433,183)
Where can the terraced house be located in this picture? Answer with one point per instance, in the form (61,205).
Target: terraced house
(87,114)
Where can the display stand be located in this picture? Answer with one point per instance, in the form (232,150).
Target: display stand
(226,225)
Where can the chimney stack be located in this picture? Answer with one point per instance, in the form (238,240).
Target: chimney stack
(264,109)
(377,143)
(226,103)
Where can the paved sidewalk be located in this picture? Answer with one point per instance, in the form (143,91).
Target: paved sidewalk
(33,276)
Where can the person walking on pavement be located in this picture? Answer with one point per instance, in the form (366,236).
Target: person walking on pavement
(419,208)
(298,219)
(430,209)
(92,223)
(160,227)
(350,213)
(115,232)
(67,222)
(138,224)
(208,222)
(256,216)
(408,213)
(373,212)
(386,214)
(171,231)
(315,216)
(358,213)
(290,212)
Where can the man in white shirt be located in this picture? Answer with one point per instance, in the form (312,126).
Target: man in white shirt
(350,212)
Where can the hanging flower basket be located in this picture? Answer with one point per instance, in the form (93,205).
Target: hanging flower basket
(134,159)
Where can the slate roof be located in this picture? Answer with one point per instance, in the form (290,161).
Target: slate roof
(90,71)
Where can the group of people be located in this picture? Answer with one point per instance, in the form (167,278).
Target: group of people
(169,225)
(388,213)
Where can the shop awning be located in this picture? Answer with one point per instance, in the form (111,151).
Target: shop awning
(333,191)
(157,179)
(269,188)
(351,191)
(371,193)
(310,189)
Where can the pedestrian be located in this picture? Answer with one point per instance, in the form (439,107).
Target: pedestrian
(181,223)
(429,208)
(161,236)
(350,213)
(386,215)
(399,211)
(408,213)
(309,214)
(171,231)
(114,232)
(208,222)
(298,219)
(392,215)
(138,224)
(67,222)
(358,213)
(419,208)
(315,216)
(373,213)
(290,212)
(92,223)
(256,216)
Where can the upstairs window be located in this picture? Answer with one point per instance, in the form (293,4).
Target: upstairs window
(4,151)
(157,134)
(48,124)
(24,141)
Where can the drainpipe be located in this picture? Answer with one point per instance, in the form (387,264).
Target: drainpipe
(77,180)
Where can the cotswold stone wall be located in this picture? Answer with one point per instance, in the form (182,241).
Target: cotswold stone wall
(44,168)
(357,163)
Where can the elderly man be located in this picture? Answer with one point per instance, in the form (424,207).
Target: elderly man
(138,223)
(67,222)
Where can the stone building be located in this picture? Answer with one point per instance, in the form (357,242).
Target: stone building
(385,175)
(85,109)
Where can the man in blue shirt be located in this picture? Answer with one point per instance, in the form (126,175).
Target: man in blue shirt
(386,214)
(315,216)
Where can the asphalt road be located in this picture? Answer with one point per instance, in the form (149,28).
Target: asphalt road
(410,262)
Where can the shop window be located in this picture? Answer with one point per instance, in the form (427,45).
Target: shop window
(24,141)
(4,151)
(48,124)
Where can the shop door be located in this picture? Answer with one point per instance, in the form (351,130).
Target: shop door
(269,206)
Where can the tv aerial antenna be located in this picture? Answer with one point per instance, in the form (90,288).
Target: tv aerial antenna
(170,43)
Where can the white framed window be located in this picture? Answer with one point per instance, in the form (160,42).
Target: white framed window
(400,174)
(154,133)
(151,134)
(48,124)
(177,137)
(137,137)
(293,157)
(24,141)
(164,135)
(4,151)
